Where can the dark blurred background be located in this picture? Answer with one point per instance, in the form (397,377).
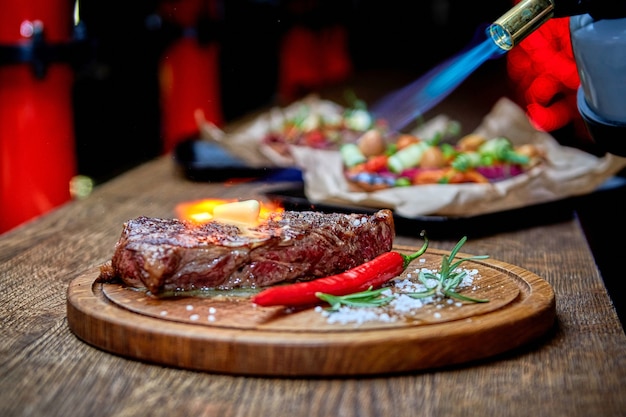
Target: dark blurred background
(117,106)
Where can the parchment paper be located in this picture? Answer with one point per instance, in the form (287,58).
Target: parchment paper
(566,171)
(246,140)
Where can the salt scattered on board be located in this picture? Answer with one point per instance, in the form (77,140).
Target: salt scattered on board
(401,304)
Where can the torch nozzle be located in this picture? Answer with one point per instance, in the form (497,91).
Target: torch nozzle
(519,22)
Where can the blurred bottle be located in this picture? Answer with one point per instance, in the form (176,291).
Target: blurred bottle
(37,149)
(189,75)
(600,52)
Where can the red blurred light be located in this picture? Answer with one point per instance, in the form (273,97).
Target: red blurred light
(543,72)
(551,117)
(542,90)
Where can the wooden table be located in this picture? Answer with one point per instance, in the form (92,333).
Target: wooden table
(578,369)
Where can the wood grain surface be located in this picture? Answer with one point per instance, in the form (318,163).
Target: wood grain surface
(229,334)
(577,369)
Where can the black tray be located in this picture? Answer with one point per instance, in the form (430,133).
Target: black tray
(443,227)
(202,161)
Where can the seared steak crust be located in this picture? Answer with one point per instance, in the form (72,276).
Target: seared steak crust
(168,255)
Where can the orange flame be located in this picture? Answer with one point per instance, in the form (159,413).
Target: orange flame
(201,211)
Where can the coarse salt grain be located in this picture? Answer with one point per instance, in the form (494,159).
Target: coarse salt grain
(404,304)
(359,222)
(347,315)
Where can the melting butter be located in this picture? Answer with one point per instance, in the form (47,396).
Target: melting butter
(245,216)
(238,213)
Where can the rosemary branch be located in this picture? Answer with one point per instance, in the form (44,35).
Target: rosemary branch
(367,298)
(443,284)
(448,279)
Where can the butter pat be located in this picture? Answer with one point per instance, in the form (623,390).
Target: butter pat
(239,212)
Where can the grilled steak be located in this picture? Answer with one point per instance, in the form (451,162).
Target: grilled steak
(167,255)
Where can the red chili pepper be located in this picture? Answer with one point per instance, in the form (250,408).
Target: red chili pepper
(369,274)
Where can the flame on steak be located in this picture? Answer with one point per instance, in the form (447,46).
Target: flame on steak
(201,211)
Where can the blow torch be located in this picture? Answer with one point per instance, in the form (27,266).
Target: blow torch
(598,36)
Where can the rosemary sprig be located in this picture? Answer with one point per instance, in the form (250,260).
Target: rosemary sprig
(445,285)
(367,298)
(448,279)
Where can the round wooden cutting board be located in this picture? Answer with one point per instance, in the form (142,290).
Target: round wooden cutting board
(227,333)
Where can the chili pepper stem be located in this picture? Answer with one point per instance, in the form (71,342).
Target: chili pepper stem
(407,259)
